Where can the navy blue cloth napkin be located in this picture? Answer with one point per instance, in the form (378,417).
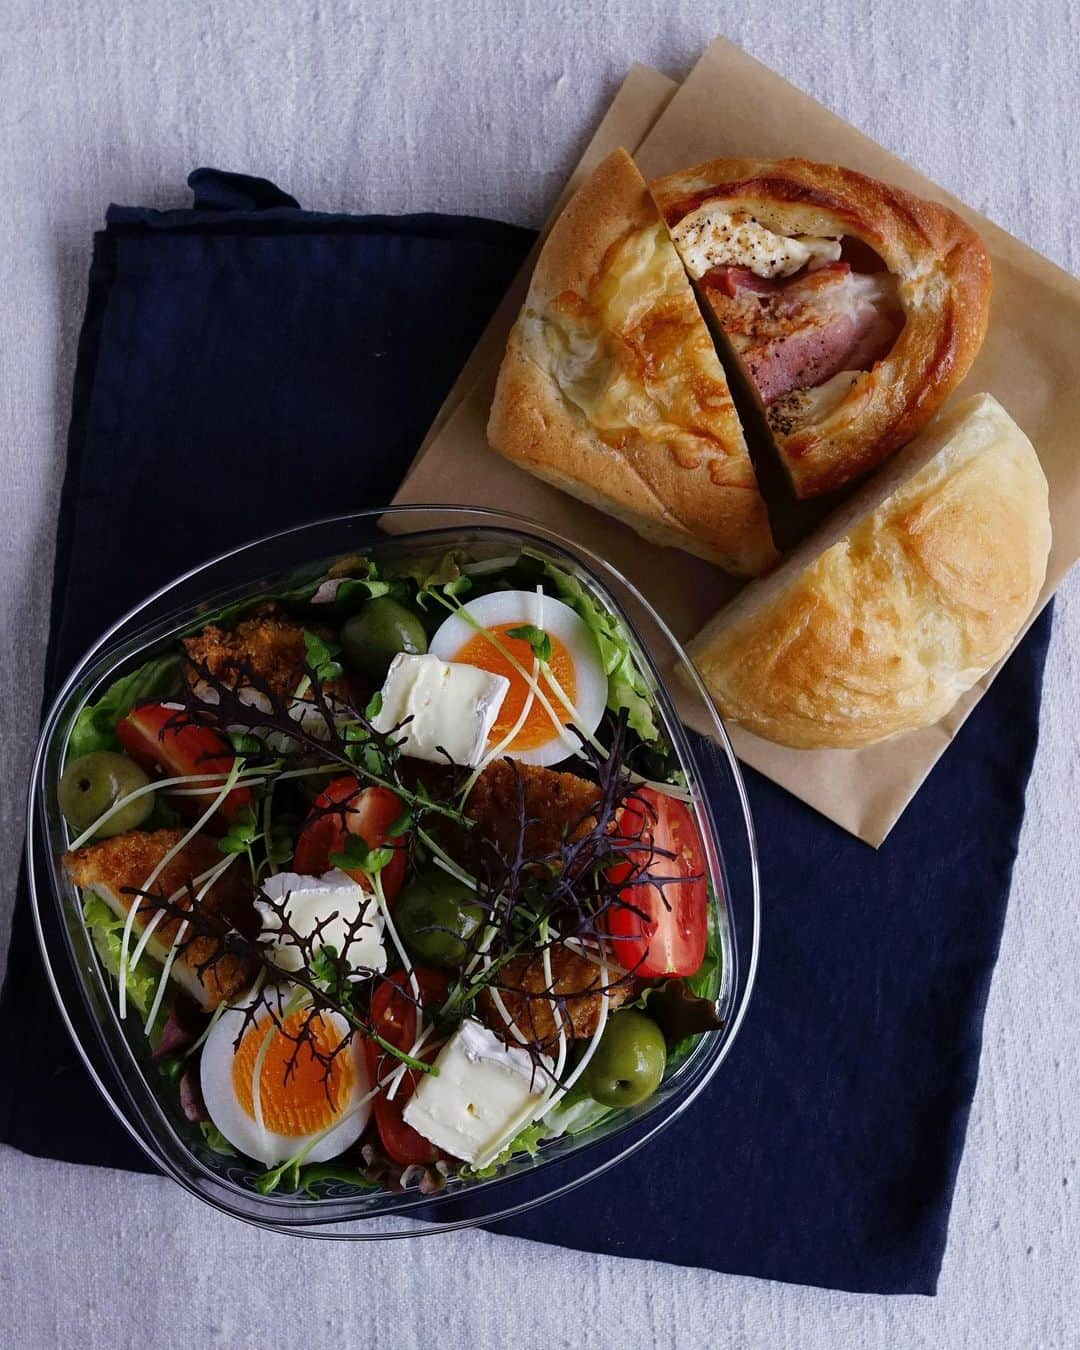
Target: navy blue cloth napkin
(246,366)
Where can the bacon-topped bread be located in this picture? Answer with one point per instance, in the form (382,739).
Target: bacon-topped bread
(612,390)
(855,307)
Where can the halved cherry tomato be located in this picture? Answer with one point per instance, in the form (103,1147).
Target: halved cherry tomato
(668,936)
(365,811)
(393,1015)
(151,742)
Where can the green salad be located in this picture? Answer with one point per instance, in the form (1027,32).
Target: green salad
(397,871)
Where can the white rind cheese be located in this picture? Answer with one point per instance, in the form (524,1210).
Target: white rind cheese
(452,707)
(313,900)
(714,237)
(484,1094)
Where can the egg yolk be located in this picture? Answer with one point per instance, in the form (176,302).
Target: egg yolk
(538,728)
(310,1100)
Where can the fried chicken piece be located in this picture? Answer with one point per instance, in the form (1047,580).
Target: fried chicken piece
(573,976)
(127,860)
(557,806)
(266,649)
(267,644)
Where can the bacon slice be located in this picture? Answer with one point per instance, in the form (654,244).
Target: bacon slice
(732,280)
(798,332)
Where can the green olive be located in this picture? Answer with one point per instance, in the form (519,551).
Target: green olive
(435,919)
(91,784)
(629,1061)
(371,639)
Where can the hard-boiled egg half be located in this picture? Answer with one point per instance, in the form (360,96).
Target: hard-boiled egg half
(308,1106)
(478,635)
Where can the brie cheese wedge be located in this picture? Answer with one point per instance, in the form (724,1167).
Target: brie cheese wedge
(334,901)
(485,1093)
(451,708)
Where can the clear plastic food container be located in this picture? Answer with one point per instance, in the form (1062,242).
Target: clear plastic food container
(118,1056)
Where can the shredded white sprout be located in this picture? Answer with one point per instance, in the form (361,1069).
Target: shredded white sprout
(267,821)
(295,1003)
(216,1015)
(148,931)
(206,791)
(156,786)
(398,1074)
(210,878)
(526,708)
(133,909)
(384,910)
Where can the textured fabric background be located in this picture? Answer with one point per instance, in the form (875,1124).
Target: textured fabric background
(482,107)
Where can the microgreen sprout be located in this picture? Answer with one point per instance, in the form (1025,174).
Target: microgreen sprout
(538,640)
(321,656)
(241,836)
(358,856)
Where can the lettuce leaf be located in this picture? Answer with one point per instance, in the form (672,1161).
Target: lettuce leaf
(311,1175)
(433,574)
(106,933)
(95,726)
(528,1141)
(215,1140)
(705,981)
(626,684)
(577,1111)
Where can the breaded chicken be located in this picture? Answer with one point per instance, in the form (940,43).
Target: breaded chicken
(573,976)
(268,644)
(557,806)
(127,860)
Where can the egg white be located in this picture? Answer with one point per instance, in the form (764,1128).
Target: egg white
(560,621)
(242,1130)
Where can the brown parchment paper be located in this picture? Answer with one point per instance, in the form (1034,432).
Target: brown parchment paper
(732,105)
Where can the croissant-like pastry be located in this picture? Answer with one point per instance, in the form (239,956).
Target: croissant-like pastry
(611,387)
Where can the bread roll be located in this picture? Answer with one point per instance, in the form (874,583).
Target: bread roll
(877,624)
(611,388)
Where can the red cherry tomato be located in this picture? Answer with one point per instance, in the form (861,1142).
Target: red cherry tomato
(365,811)
(145,735)
(669,934)
(393,1015)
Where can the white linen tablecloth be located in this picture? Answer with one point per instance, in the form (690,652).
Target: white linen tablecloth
(482,107)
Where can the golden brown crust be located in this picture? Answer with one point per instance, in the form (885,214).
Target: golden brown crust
(266,643)
(267,648)
(573,980)
(611,389)
(554,805)
(127,860)
(944,285)
(903,611)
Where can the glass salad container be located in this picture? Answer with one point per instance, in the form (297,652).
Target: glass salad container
(118,1056)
